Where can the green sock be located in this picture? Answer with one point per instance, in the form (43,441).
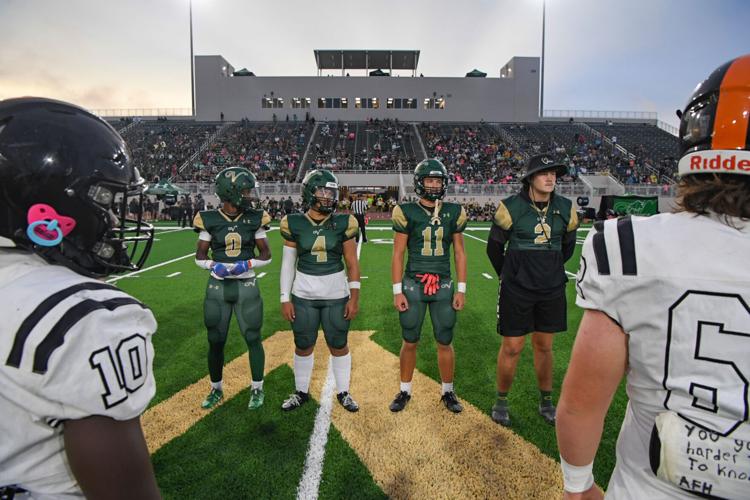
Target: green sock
(502,399)
(545,398)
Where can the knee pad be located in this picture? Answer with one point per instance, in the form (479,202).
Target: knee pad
(443,318)
(335,327)
(411,321)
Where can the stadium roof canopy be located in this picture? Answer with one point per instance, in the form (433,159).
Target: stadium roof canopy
(367,59)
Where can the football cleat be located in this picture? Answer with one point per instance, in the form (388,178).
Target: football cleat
(548,413)
(451,402)
(347,401)
(295,400)
(213,399)
(399,402)
(256,399)
(500,415)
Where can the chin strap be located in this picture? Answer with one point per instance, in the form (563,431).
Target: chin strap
(435,219)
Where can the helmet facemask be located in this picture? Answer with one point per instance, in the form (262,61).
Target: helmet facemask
(326,199)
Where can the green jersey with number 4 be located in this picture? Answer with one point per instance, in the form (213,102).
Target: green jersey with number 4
(429,238)
(320,246)
(232,238)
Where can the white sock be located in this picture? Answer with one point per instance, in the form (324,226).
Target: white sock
(406,387)
(342,371)
(303,367)
(216,385)
(256,385)
(447,387)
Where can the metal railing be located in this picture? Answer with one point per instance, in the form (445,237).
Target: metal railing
(122,112)
(578,113)
(666,127)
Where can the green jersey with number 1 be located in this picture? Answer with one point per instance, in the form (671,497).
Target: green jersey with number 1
(430,238)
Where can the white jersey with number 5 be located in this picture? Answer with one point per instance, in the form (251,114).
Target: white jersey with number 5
(70,347)
(679,286)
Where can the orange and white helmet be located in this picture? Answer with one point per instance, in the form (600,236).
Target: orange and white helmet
(715,125)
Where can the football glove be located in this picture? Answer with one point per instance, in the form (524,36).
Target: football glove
(431,283)
(220,270)
(241,267)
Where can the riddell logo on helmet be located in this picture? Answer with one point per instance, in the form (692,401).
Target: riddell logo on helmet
(716,161)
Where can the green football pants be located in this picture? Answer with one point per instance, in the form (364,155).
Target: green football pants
(242,297)
(312,314)
(442,314)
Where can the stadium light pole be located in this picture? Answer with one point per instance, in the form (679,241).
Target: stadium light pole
(541,92)
(192,70)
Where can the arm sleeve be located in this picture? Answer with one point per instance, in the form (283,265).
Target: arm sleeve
(400,223)
(260,233)
(496,248)
(204,236)
(288,264)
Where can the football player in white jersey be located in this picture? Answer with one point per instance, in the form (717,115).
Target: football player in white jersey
(75,352)
(667,303)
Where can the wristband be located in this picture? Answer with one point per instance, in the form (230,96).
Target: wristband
(577,478)
(461,287)
(354,284)
(397,288)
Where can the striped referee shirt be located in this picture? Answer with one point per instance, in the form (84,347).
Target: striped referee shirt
(359,207)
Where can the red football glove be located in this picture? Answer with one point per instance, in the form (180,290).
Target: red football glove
(431,283)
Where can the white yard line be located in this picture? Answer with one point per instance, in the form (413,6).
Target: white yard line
(309,483)
(134,273)
(474,237)
(487,276)
(261,275)
(174,274)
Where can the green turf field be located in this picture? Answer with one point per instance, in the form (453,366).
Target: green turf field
(262,453)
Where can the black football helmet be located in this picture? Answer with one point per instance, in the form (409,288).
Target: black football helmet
(66,184)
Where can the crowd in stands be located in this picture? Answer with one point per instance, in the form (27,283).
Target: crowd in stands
(159,148)
(371,145)
(473,154)
(272,151)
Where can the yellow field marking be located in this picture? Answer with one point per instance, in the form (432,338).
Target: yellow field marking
(175,415)
(422,452)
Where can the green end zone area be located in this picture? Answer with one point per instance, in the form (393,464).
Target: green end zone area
(262,453)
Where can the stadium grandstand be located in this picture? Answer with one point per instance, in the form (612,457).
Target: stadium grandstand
(370,116)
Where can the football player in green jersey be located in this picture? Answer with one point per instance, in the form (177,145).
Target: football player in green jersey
(427,229)
(539,228)
(315,290)
(233,232)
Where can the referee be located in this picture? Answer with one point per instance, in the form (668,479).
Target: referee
(359,209)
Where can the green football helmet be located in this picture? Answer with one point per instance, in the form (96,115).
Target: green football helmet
(320,191)
(430,167)
(237,185)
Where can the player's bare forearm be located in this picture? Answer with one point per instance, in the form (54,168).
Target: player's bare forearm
(201,251)
(109,458)
(597,366)
(459,256)
(351,261)
(264,250)
(397,262)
